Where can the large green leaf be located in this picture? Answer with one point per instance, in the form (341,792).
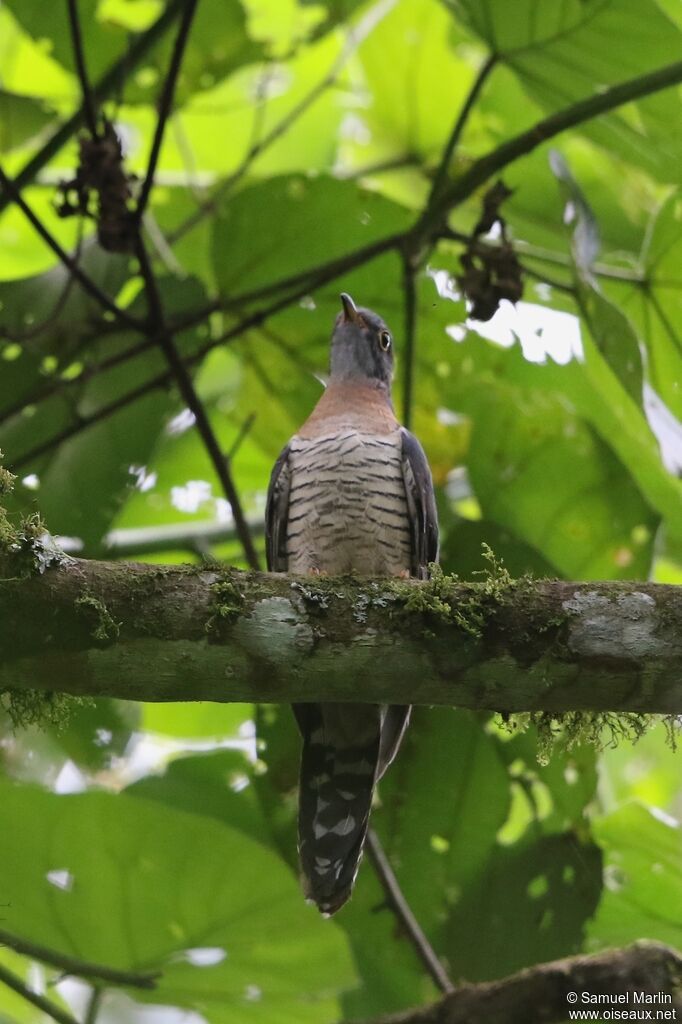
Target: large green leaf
(643,878)
(319,220)
(166,883)
(564,52)
(657,308)
(538,470)
(213,785)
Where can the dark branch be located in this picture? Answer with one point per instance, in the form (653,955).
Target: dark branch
(46,1005)
(458,128)
(410,298)
(189,394)
(74,966)
(545,994)
(89,110)
(403,912)
(93,1007)
(166,103)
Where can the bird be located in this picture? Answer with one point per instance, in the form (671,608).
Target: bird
(351,492)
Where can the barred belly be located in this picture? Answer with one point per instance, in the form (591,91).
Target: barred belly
(347,504)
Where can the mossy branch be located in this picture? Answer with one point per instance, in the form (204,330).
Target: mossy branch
(181,633)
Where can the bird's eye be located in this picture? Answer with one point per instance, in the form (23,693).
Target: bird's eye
(384,341)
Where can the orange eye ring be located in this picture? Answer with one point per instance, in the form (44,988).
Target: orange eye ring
(384,341)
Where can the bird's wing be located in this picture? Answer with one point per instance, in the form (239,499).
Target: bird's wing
(421,505)
(277,514)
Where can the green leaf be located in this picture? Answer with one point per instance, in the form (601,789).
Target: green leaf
(657,308)
(643,878)
(200,720)
(319,220)
(166,883)
(539,471)
(21,118)
(213,785)
(564,52)
(609,327)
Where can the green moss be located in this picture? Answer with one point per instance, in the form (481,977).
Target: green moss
(468,606)
(38,707)
(6,480)
(104,627)
(226,605)
(562,731)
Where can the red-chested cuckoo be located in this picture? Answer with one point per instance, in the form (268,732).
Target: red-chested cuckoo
(351,492)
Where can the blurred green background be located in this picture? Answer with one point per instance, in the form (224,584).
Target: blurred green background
(162,836)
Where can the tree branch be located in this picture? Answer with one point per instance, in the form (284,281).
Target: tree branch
(110,80)
(151,632)
(545,994)
(189,394)
(74,966)
(89,109)
(459,126)
(46,1005)
(403,912)
(410,299)
(166,104)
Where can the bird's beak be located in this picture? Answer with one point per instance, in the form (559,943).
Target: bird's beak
(350,311)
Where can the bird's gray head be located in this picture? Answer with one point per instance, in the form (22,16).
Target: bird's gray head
(362,346)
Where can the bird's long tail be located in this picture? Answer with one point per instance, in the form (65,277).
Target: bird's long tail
(346,749)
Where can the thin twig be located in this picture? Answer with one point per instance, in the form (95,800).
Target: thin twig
(80,968)
(186,387)
(107,84)
(88,285)
(401,908)
(93,1006)
(459,126)
(46,1005)
(393,163)
(410,297)
(242,434)
(166,104)
(89,110)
